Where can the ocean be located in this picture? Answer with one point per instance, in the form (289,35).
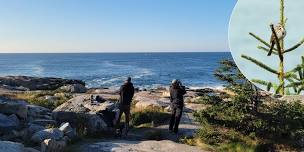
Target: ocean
(148,70)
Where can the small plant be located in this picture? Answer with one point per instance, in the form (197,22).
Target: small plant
(280,51)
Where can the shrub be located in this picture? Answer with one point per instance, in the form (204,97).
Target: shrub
(209,99)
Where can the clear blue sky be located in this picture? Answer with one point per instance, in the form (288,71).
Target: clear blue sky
(114,25)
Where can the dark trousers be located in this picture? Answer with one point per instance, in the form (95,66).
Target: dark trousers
(176,115)
(126,110)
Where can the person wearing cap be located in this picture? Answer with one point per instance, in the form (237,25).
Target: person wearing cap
(177,92)
(126,93)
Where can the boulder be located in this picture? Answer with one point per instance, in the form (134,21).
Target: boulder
(10,106)
(51,145)
(67,129)
(8,123)
(38,112)
(80,110)
(8,146)
(74,88)
(52,133)
(33,128)
(36,83)
(95,123)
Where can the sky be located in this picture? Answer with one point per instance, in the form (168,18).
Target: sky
(245,18)
(114,25)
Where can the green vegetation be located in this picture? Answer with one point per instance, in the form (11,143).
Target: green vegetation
(40,98)
(248,122)
(281,88)
(149,116)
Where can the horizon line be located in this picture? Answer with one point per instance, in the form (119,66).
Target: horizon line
(81,52)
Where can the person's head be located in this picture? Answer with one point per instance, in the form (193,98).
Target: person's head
(174,82)
(128,80)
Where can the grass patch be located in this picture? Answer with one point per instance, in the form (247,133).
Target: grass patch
(237,147)
(152,116)
(39,98)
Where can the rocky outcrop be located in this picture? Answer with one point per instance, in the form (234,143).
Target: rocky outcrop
(35,83)
(81,110)
(74,88)
(17,107)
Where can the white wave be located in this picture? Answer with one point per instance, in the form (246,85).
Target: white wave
(142,72)
(37,69)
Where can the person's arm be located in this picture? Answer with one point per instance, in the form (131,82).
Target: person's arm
(132,92)
(121,89)
(171,99)
(183,88)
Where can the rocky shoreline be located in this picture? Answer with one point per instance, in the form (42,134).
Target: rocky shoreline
(23,123)
(75,110)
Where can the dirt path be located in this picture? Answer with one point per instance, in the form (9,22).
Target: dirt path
(137,140)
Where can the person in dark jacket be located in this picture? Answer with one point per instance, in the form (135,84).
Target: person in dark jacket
(126,93)
(177,92)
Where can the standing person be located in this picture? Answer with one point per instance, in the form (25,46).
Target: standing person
(126,93)
(177,91)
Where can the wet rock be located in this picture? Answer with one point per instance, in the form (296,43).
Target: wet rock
(53,133)
(51,145)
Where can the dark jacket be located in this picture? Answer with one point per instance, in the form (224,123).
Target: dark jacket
(126,93)
(177,95)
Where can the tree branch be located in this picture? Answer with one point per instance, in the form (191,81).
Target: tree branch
(267,50)
(261,40)
(295,47)
(260,64)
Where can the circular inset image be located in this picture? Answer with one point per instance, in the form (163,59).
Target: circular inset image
(266,41)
